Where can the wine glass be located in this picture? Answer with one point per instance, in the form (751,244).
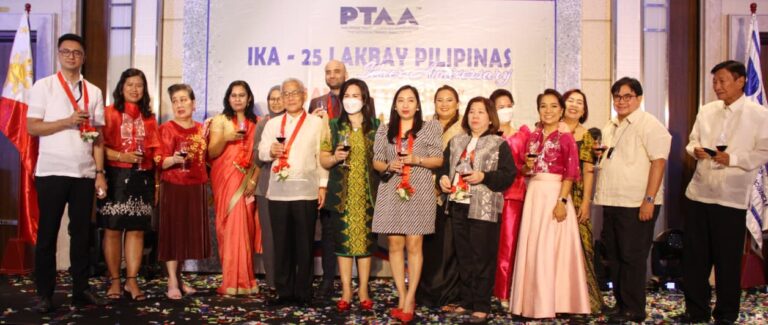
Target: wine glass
(532,153)
(464,168)
(600,148)
(721,144)
(345,146)
(242,128)
(139,152)
(403,150)
(183,152)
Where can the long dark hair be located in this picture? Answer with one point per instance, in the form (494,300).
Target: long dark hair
(455,117)
(394,118)
(369,110)
(229,112)
(144,107)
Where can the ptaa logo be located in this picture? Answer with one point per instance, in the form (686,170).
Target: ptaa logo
(375,16)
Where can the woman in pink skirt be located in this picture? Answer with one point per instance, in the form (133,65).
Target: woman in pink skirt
(549,277)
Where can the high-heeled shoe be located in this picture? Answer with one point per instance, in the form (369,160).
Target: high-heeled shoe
(395,312)
(343,305)
(128,292)
(115,295)
(406,317)
(366,304)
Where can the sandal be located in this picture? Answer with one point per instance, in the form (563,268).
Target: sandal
(114,295)
(449,308)
(188,290)
(128,292)
(173,293)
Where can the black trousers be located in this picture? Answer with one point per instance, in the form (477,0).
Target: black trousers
(53,194)
(713,236)
(267,246)
(293,231)
(627,244)
(476,243)
(439,284)
(328,245)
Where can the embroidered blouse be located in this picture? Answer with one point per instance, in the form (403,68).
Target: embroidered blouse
(556,154)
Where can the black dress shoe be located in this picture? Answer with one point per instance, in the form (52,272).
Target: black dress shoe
(724,322)
(44,306)
(625,317)
(279,302)
(326,288)
(610,311)
(690,319)
(86,298)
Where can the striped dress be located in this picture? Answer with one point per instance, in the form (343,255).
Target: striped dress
(417,215)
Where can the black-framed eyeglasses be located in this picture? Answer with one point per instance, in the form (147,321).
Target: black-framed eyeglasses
(68,52)
(293,93)
(623,98)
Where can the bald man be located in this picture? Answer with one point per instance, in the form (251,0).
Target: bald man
(329,104)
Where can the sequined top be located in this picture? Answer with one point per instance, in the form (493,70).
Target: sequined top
(557,154)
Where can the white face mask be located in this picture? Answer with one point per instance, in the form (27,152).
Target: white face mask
(352,105)
(506,114)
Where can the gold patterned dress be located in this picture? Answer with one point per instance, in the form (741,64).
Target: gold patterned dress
(585,229)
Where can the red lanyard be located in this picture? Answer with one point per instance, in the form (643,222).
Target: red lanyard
(72,97)
(330,107)
(295,131)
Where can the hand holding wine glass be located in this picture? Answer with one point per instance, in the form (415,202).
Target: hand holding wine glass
(139,153)
(720,159)
(278,148)
(183,153)
(343,150)
(598,149)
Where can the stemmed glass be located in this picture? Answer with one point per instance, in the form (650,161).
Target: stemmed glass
(345,146)
(140,153)
(532,153)
(721,145)
(183,152)
(600,148)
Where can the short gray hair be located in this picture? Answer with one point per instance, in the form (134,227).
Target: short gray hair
(289,80)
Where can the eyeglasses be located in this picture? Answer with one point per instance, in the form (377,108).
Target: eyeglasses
(623,98)
(67,52)
(296,92)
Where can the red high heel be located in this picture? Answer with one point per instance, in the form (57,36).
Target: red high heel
(405,317)
(342,305)
(395,312)
(366,304)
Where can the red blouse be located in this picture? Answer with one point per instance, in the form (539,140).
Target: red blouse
(171,135)
(123,131)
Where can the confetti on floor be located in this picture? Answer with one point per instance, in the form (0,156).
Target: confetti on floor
(206,307)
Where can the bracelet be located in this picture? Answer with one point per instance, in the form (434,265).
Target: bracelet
(118,156)
(252,182)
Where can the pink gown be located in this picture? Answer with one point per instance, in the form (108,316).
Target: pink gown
(510,216)
(549,276)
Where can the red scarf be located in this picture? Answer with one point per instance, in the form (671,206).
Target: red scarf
(283,160)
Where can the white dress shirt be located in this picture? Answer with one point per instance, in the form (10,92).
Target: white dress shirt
(744,125)
(637,140)
(64,153)
(305,175)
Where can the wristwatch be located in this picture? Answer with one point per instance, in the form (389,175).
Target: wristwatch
(649,199)
(99,171)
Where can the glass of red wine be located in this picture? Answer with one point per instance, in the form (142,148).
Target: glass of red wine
(183,152)
(721,145)
(532,154)
(241,128)
(139,152)
(464,168)
(600,149)
(345,146)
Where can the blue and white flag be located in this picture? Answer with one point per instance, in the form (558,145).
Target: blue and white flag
(758,202)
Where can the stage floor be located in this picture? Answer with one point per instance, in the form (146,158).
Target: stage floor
(206,307)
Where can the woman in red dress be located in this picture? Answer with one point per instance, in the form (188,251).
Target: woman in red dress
(130,139)
(183,227)
(233,180)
